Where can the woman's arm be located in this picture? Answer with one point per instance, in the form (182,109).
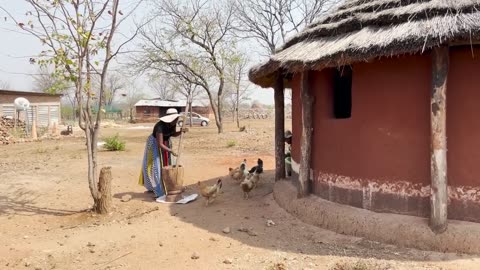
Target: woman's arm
(160,142)
(183,129)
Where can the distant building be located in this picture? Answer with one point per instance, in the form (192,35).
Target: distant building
(44,108)
(149,110)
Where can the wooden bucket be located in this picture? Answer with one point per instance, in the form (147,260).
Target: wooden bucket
(173,184)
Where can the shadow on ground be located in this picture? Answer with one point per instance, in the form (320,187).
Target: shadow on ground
(22,203)
(288,234)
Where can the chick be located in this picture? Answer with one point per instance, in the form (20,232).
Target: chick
(240,173)
(210,193)
(249,184)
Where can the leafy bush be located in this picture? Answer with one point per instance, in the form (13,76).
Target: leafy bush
(231,143)
(114,143)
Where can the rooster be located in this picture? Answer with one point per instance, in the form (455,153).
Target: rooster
(238,174)
(210,192)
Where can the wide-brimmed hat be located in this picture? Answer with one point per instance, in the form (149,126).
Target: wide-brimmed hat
(288,134)
(171,115)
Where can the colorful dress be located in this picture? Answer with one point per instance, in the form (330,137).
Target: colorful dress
(155,159)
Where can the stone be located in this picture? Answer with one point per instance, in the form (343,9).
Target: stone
(195,256)
(227,261)
(270,223)
(227,230)
(126,198)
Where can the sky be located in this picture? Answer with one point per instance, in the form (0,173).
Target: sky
(17,47)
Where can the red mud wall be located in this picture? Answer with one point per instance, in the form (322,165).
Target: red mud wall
(379,159)
(388,136)
(463,117)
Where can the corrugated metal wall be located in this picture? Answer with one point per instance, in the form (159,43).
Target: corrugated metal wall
(44,115)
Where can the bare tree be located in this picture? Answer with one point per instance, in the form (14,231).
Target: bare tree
(237,70)
(271,22)
(163,88)
(130,97)
(78,35)
(190,40)
(114,84)
(5,85)
(45,81)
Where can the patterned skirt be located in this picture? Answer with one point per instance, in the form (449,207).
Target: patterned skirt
(153,160)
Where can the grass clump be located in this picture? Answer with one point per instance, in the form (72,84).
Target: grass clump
(231,143)
(114,143)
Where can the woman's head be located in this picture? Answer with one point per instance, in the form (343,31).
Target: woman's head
(171,117)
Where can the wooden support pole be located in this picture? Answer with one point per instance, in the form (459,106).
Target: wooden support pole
(439,195)
(279,97)
(306,140)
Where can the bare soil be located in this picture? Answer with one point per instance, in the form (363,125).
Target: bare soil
(45,222)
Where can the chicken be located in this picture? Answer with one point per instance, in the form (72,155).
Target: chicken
(210,193)
(257,169)
(240,173)
(249,184)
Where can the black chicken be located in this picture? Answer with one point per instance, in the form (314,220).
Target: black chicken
(257,169)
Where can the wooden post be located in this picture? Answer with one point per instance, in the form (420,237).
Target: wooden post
(306,140)
(279,97)
(439,195)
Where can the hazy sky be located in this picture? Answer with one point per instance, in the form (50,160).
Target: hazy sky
(17,47)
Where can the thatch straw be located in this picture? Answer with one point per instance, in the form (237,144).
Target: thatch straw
(361,30)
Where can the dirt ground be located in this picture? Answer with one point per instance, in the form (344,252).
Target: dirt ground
(44,222)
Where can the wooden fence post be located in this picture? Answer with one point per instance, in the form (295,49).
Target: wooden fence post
(306,140)
(439,191)
(279,97)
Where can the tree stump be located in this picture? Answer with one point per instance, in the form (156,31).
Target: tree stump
(103,205)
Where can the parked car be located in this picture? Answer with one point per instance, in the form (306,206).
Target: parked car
(197,119)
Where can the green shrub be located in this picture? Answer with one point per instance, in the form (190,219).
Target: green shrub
(231,143)
(114,143)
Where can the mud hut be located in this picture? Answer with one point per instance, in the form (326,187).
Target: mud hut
(371,82)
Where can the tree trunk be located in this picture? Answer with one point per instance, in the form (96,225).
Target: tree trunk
(190,109)
(103,205)
(279,128)
(306,140)
(439,185)
(237,104)
(238,118)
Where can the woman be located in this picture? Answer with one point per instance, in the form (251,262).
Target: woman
(288,152)
(158,152)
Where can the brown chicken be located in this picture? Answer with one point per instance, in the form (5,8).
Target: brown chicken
(240,173)
(210,193)
(249,184)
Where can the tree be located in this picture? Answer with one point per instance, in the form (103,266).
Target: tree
(188,90)
(5,85)
(271,22)
(191,41)
(130,97)
(78,37)
(46,82)
(114,84)
(163,88)
(237,69)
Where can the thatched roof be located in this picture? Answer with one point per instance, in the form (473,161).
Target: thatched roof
(360,30)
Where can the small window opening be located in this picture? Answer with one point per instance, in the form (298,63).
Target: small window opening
(342,92)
